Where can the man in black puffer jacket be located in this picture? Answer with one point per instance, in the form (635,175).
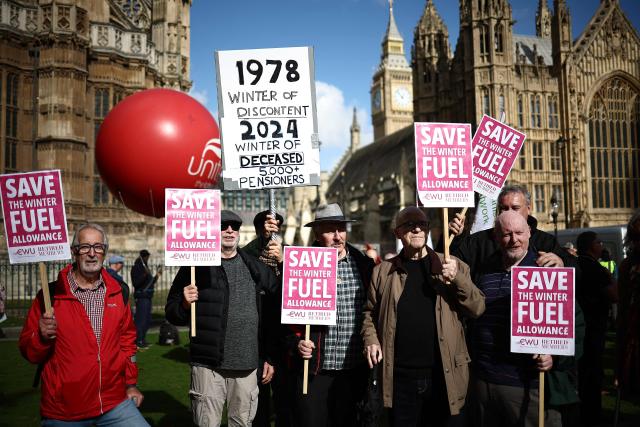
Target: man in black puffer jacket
(226,348)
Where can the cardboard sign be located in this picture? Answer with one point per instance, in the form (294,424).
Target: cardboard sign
(35,222)
(495,148)
(543,310)
(192,227)
(485,214)
(443,164)
(309,286)
(268,118)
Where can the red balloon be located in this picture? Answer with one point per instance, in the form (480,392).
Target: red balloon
(157,139)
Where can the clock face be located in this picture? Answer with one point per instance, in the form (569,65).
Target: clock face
(402,97)
(377,99)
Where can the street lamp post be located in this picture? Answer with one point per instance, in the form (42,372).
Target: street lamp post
(554,214)
(562,144)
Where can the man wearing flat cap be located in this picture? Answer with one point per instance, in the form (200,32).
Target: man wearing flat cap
(226,349)
(413,318)
(267,248)
(337,369)
(143,282)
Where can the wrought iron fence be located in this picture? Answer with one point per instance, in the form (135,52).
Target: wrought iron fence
(22,283)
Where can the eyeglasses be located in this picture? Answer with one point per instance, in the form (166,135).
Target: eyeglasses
(85,248)
(410,225)
(234,225)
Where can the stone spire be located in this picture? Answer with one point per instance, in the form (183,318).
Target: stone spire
(355,132)
(431,34)
(543,20)
(393,43)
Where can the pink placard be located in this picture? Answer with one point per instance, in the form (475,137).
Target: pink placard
(35,220)
(495,148)
(309,286)
(542,310)
(192,227)
(443,164)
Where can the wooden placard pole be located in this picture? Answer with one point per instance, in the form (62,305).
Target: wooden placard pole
(445,227)
(305,372)
(45,288)
(193,304)
(541,403)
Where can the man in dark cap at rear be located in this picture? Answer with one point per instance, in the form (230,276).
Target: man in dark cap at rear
(337,368)
(143,282)
(226,350)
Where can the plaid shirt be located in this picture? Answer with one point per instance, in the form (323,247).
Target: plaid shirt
(92,300)
(343,345)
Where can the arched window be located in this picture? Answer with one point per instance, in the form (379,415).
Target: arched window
(553,112)
(614,152)
(497,38)
(100,110)
(486,109)
(484,41)
(535,111)
(11,123)
(520,112)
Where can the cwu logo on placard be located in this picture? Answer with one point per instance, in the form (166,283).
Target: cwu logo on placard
(179,255)
(208,168)
(26,251)
(528,341)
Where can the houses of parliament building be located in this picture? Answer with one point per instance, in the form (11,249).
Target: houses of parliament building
(577,101)
(63,65)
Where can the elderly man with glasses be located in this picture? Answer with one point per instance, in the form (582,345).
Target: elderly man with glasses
(226,349)
(86,345)
(413,319)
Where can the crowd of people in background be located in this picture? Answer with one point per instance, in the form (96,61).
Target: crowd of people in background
(431,332)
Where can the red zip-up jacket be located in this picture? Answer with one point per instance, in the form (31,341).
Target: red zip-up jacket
(82,379)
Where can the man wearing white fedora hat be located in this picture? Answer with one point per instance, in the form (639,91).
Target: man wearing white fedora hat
(337,369)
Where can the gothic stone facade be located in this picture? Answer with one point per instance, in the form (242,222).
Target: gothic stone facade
(63,65)
(577,100)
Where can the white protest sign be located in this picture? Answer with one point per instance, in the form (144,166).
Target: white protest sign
(543,310)
(268,121)
(309,283)
(192,227)
(35,221)
(485,214)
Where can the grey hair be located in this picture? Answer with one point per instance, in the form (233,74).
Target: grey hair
(516,189)
(94,226)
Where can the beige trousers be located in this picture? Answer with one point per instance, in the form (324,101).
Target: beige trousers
(210,389)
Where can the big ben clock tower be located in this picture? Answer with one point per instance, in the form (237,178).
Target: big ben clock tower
(392,86)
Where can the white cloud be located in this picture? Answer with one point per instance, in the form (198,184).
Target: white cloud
(202,96)
(335,117)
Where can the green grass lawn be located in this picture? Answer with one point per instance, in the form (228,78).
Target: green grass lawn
(164,379)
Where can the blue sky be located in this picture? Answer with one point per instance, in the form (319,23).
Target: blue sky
(346,37)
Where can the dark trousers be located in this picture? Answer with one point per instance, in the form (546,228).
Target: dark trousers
(591,373)
(420,399)
(275,392)
(331,398)
(263,414)
(142,318)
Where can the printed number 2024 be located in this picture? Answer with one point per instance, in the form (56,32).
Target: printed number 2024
(255,68)
(262,128)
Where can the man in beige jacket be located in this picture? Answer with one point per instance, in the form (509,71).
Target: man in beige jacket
(413,318)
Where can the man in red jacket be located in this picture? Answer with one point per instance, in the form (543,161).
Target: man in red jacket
(87,344)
